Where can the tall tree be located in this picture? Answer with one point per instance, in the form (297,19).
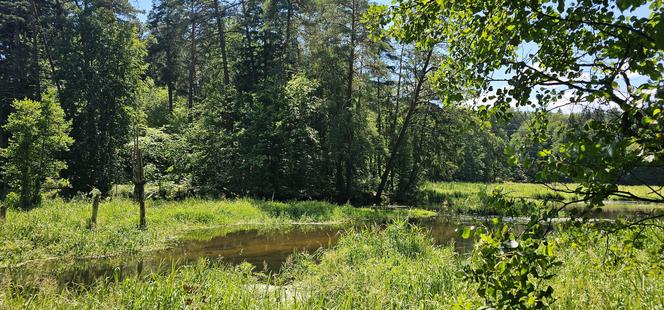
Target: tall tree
(100,60)
(220,14)
(193,16)
(166,25)
(415,101)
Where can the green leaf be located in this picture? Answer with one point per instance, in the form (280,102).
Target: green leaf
(549,249)
(659,34)
(513,160)
(647,120)
(544,153)
(466,233)
(500,267)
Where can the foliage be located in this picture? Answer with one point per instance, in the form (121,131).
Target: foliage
(511,268)
(39,133)
(582,54)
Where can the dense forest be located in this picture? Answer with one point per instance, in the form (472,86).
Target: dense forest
(276,99)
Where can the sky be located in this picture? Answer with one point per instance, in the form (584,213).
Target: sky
(144,5)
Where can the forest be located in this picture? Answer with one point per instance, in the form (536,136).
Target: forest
(334,154)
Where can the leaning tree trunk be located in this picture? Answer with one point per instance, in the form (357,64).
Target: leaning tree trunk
(409,115)
(139,182)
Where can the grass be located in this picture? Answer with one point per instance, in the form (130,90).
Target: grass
(600,272)
(471,198)
(392,268)
(59,229)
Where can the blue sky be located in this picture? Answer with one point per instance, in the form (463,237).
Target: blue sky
(144,5)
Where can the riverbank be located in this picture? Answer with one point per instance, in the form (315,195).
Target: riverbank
(475,198)
(59,229)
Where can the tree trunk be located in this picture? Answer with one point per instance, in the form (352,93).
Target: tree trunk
(192,51)
(47,48)
(139,181)
(379,157)
(170,96)
(221,28)
(339,179)
(248,39)
(417,151)
(95,210)
(141,202)
(3,212)
(395,147)
(287,47)
(349,107)
(35,62)
(393,126)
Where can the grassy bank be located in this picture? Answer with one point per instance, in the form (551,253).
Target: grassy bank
(59,229)
(471,198)
(393,268)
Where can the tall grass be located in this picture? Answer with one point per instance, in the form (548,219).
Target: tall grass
(394,268)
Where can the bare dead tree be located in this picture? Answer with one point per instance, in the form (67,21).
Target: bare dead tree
(139,180)
(96,197)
